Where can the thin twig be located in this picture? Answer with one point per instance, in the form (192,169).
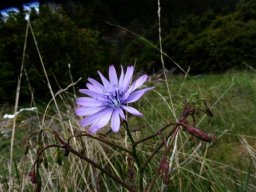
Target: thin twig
(135,156)
(167,150)
(16,108)
(45,72)
(68,148)
(155,134)
(101,140)
(162,58)
(157,149)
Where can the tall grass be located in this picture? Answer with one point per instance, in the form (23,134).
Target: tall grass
(228,164)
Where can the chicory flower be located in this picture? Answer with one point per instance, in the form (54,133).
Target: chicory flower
(107,101)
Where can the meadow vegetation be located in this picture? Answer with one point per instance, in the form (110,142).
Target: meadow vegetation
(226,164)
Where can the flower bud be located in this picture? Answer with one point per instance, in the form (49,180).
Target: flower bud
(32,175)
(164,167)
(185,122)
(199,134)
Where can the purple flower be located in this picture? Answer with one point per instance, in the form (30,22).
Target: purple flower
(108,101)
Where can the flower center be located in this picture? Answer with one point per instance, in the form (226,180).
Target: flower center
(114,99)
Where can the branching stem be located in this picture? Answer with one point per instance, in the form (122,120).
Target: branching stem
(101,140)
(68,148)
(135,156)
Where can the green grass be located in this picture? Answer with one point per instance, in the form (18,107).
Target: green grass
(228,164)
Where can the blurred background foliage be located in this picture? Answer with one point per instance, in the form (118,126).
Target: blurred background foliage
(210,36)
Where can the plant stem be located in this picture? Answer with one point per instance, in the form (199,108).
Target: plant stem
(101,140)
(155,134)
(157,149)
(71,150)
(135,156)
(167,150)
(67,147)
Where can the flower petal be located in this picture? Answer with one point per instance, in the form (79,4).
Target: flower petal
(96,117)
(88,120)
(127,93)
(127,77)
(101,122)
(112,75)
(139,82)
(121,113)
(95,127)
(96,84)
(88,102)
(132,110)
(105,82)
(121,79)
(115,121)
(84,111)
(134,96)
(93,94)
(94,88)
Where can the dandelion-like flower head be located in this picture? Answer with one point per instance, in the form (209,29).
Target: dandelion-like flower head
(108,101)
